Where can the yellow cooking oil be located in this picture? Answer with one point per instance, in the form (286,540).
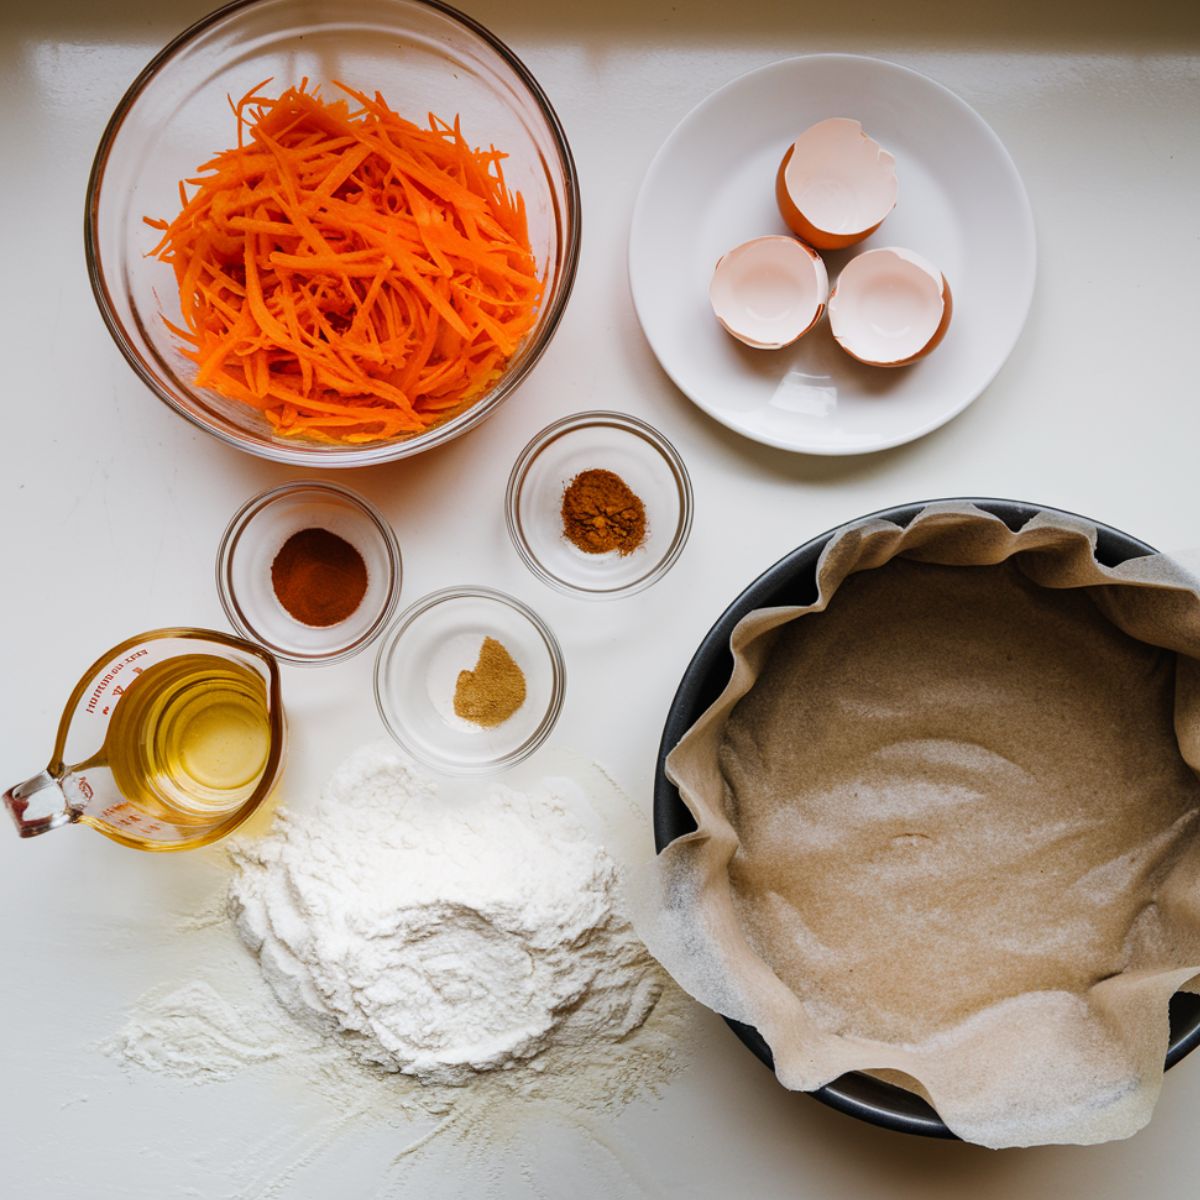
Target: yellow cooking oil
(190,738)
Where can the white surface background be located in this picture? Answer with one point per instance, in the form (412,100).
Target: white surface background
(112,508)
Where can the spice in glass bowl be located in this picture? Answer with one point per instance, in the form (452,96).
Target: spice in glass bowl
(493,691)
(601,513)
(318,577)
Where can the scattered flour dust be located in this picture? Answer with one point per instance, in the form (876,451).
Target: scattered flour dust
(433,953)
(192,1031)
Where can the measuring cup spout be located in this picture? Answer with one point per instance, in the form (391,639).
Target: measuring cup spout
(41,804)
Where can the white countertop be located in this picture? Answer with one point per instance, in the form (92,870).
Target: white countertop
(113,508)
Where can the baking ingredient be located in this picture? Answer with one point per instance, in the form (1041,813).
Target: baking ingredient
(318,577)
(214,1018)
(872,848)
(346,273)
(225,1024)
(494,690)
(441,939)
(835,184)
(890,307)
(193,1032)
(602,513)
(190,737)
(769,292)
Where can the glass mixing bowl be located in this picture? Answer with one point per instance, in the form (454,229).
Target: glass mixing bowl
(422,56)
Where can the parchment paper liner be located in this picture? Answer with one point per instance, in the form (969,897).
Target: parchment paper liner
(1046,1066)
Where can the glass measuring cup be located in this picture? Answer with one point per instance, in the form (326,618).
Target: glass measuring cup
(177,736)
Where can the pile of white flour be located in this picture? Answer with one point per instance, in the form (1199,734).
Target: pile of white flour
(437,937)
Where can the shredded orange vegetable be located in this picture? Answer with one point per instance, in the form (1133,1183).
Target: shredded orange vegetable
(349,274)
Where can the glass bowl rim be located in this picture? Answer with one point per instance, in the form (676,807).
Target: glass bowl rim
(554,653)
(310,454)
(627,423)
(244,518)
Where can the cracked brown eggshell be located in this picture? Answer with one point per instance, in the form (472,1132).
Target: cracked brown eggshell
(769,292)
(835,184)
(890,307)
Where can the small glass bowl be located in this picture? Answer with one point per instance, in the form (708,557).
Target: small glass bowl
(255,536)
(643,458)
(418,666)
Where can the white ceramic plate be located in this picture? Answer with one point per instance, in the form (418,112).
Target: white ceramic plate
(712,185)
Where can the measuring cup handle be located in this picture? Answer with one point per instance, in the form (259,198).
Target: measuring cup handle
(52,798)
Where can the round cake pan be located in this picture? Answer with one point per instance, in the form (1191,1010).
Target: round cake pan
(793,580)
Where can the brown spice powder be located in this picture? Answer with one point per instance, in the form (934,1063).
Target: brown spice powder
(493,691)
(319,577)
(600,512)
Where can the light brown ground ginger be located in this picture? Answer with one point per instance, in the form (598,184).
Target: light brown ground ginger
(493,691)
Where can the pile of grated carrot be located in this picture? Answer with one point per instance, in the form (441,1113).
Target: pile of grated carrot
(353,276)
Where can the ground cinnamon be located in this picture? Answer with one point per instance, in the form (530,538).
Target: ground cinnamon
(600,512)
(494,690)
(319,577)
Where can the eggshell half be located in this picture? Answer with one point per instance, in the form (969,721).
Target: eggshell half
(890,307)
(835,184)
(769,292)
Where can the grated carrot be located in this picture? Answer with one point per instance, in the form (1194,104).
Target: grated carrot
(347,273)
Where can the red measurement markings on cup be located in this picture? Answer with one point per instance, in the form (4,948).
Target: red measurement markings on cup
(123,815)
(109,677)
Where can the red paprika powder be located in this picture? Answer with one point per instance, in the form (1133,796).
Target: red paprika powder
(318,577)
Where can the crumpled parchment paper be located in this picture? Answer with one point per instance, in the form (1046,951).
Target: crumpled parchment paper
(947,826)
